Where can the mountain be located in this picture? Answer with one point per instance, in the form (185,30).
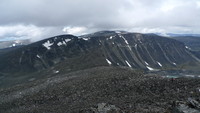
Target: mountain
(182,35)
(13,43)
(6,46)
(68,53)
(192,42)
(107,71)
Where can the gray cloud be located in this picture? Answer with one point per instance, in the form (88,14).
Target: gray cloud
(53,17)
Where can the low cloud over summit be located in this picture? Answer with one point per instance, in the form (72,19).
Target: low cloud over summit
(37,19)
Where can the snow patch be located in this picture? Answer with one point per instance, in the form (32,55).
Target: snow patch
(135,45)
(38,56)
(139,40)
(111,37)
(149,68)
(174,63)
(189,75)
(86,39)
(13,45)
(118,64)
(108,61)
(17,41)
(47,44)
(171,76)
(128,63)
(146,63)
(117,32)
(56,71)
(129,47)
(159,64)
(124,39)
(67,40)
(64,42)
(187,47)
(59,43)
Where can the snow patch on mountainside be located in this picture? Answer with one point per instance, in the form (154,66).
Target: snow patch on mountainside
(125,42)
(128,63)
(59,43)
(47,44)
(67,40)
(124,39)
(146,63)
(38,56)
(108,61)
(56,71)
(159,64)
(149,68)
(174,63)
(86,39)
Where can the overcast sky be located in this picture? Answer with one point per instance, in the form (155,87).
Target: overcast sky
(39,19)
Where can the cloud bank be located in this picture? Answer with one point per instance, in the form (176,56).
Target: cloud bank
(38,19)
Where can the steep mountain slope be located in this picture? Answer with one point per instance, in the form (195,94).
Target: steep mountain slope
(67,53)
(144,50)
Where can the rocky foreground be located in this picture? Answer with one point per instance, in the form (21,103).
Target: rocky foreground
(103,90)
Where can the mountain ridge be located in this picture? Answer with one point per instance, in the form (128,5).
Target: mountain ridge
(66,53)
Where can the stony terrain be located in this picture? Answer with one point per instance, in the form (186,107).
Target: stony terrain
(102,90)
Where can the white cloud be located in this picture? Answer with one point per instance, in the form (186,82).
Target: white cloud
(198,4)
(20,31)
(37,19)
(31,32)
(74,30)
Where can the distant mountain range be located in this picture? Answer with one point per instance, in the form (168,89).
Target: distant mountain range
(193,42)
(177,35)
(13,43)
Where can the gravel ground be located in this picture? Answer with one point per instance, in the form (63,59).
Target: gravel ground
(99,90)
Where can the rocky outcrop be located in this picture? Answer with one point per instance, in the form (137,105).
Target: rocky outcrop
(190,106)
